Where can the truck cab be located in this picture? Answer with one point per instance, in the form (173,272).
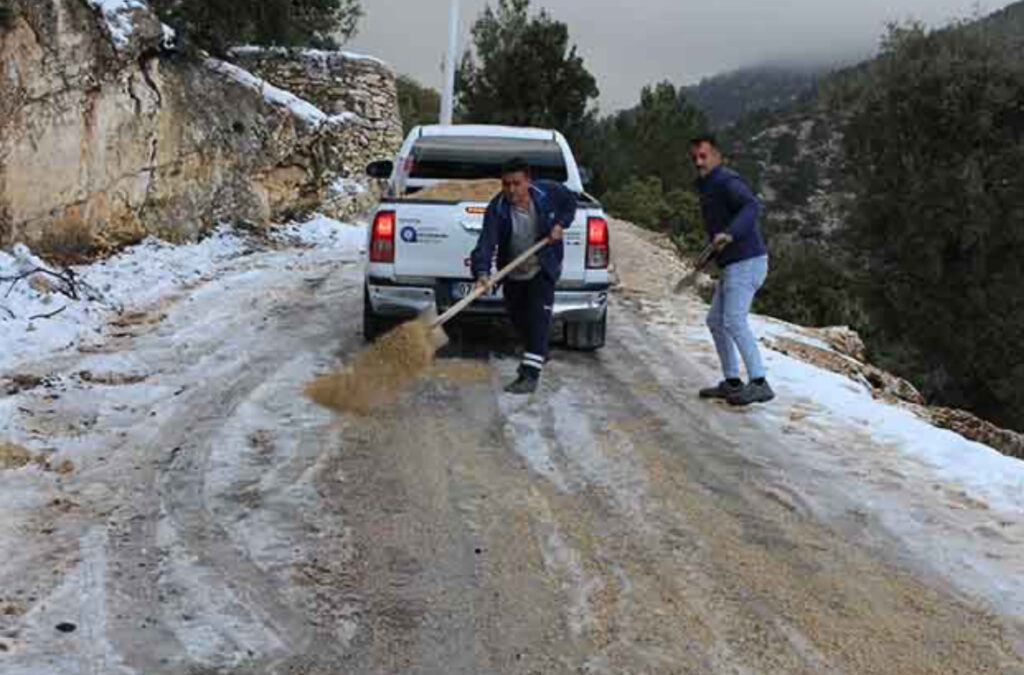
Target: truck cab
(431,214)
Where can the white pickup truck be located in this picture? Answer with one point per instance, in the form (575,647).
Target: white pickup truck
(419,248)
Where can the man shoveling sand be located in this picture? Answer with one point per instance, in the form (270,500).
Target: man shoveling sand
(523,228)
(381,372)
(524,212)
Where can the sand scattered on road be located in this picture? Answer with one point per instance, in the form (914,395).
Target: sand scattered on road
(380,373)
(14,456)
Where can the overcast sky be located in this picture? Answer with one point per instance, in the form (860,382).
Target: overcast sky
(629,43)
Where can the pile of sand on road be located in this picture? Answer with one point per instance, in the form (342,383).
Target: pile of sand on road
(380,373)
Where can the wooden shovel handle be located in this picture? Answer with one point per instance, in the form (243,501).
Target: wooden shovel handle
(477,292)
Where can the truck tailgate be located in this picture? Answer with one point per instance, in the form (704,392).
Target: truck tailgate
(435,240)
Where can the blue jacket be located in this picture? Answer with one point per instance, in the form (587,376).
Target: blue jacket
(728,205)
(555,204)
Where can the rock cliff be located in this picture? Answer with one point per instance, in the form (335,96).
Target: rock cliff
(108,134)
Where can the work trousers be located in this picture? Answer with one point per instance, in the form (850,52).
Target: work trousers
(529,304)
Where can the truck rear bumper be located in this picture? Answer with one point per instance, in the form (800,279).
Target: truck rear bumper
(410,301)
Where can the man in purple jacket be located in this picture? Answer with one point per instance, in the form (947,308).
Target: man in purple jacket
(731,214)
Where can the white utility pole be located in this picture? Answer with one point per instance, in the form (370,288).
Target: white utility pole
(448,97)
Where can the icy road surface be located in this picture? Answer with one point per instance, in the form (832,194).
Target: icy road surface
(216,522)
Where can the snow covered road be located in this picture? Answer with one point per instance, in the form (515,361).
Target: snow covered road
(216,522)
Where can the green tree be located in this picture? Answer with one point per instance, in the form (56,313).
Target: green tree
(660,132)
(785,150)
(641,201)
(650,139)
(218,24)
(418,104)
(934,152)
(644,202)
(810,285)
(603,148)
(795,183)
(686,221)
(6,14)
(522,71)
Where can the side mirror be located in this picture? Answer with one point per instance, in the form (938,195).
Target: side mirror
(380,169)
(586,175)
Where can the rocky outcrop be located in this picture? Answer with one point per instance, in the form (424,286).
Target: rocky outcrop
(881,384)
(338,83)
(971,426)
(356,92)
(107,135)
(846,356)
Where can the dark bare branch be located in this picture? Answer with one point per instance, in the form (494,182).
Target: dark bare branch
(47,316)
(68,288)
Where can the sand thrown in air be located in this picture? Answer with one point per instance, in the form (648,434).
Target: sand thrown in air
(380,373)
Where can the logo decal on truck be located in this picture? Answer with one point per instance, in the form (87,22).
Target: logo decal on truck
(409,235)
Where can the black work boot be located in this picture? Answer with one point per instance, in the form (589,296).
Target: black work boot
(525,383)
(723,389)
(756,391)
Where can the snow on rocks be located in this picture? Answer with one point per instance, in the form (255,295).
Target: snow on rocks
(309,53)
(118,15)
(986,473)
(304,110)
(347,186)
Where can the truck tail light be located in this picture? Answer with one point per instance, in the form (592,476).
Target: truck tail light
(382,238)
(597,243)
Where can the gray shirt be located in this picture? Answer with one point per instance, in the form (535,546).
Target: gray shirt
(524,235)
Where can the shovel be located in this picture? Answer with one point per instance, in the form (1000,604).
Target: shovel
(480,290)
(707,254)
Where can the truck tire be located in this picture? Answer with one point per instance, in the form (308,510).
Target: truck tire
(586,335)
(374,325)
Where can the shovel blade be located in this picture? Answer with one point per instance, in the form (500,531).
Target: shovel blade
(685,282)
(438,337)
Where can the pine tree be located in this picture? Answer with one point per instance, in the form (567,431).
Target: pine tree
(218,24)
(418,104)
(934,153)
(6,14)
(523,71)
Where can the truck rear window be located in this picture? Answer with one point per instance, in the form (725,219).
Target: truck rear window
(473,157)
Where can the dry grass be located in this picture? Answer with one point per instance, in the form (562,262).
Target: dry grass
(73,242)
(111,378)
(380,373)
(42,284)
(461,191)
(20,382)
(15,457)
(67,242)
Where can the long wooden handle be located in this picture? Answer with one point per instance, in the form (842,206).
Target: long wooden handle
(477,292)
